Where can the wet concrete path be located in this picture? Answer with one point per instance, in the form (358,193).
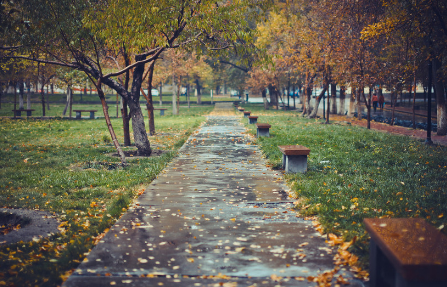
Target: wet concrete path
(216,216)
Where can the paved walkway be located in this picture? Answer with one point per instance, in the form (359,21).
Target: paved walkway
(216,216)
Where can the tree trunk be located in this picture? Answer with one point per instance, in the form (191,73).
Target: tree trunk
(273,98)
(334,99)
(264,99)
(414,96)
(360,94)
(139,131)
(394,101)
(440,99)
(314,112)
(304,96)
(21,93)
(67,104)
(328,107)
(117,105)
(126,129)
(42,96)
(341,109)
(48,97)
(124,112)
(174,96)
(105,109)
(307,109)
(179,87)
(161,94)
(28,94)
(188,92)
(149,102)
(199,92)
(352,101)
(15,99)
(368,107)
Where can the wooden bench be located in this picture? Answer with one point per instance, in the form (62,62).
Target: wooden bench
(294,158)
(252,119)
(406,252)
(78,113)
(18,113)
(246,114)
(263,130)
(162,111)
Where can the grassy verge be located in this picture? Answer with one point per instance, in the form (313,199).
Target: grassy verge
(355,173)
(66,167)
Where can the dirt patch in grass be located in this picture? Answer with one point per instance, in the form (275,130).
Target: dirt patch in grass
(134,153)
(28,225)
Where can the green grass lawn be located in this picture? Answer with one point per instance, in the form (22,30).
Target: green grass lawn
(355,173)
(66,167)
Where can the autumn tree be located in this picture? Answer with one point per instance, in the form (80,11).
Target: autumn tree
(80,34)
(423,25)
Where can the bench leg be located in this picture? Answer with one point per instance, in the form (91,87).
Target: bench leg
(263,133)
(162,112)
(295,163)
(18,113)
(381,272)
(28,113)
(78,115)
(92,115)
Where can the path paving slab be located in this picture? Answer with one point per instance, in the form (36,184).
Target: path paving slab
(216,216)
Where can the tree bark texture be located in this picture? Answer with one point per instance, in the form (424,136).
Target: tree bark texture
(264,99)
(314,112)
(179,88)
(174,96)
(139,130)
(105,109)
(67,104)
(334,99)
(42,96)
(352,103)
(273,97)
(28,94)
(161,94)
(47,95)
(124,112)
(150,103)
(440,99)
(199,92)
(21,94)
(341,108)
(126,129)
(15,101)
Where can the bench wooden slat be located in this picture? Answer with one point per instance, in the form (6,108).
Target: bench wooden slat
(294,150)
(263,126)
(417,250)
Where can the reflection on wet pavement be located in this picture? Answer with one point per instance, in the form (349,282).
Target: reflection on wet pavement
(216,215)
